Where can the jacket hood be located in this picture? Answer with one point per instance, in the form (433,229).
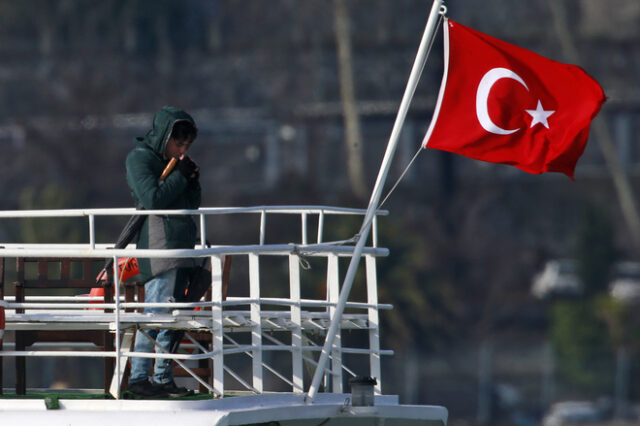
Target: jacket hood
(163,122)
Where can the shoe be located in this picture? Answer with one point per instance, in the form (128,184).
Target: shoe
(172,389)
(147,389)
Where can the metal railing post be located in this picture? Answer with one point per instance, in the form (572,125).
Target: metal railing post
(373,318)
(203,231)
(333,284)
(296,320)
(92,232)
(116,284)
(256,320)
(303,218)
(320,227)
(217,332)
(263,224)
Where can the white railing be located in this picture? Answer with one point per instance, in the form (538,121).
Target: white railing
(302,211)
(249,324)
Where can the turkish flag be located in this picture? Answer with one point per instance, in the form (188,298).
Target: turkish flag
(504,104)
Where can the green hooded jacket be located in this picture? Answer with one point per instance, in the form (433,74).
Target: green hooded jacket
(144,165)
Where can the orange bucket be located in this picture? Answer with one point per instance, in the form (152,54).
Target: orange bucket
(127,268)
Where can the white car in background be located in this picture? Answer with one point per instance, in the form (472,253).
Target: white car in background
(559,277)
(570,412)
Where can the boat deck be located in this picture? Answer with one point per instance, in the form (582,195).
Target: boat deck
(263,348)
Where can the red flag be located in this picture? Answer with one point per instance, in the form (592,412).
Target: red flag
(504,104)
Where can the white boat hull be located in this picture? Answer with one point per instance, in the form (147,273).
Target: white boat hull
(283,409)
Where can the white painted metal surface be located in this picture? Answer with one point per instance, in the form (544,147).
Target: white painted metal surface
(301,315)
(249,327)
(286,409)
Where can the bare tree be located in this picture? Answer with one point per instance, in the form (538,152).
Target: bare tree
(352,133)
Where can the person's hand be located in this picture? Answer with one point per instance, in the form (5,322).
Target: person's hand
(188,168)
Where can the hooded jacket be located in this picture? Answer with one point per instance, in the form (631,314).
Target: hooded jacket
(144,165)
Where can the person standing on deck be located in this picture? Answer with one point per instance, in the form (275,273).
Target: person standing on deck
(172,134)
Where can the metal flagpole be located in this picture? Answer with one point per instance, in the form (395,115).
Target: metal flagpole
(414,77)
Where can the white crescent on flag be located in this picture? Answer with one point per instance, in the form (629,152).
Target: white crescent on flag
(482,95)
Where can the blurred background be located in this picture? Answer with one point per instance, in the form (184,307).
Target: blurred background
(516,296)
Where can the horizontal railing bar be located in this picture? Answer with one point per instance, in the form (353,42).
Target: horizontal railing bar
(206,211)
(205,355)
(360,351)
(107,354)
(84,354)
(78,298)
(39,302)
(272,249)
(99,306)
(228,350)
(44,305)
(59,246)
(85,345)
(83,314)
(96,306)
(357,351)
(232,301)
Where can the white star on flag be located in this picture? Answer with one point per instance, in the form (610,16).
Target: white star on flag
(539,115)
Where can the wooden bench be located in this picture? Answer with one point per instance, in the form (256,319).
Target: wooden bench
(57,274)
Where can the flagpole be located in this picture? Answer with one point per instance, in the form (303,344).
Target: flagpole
(412,83)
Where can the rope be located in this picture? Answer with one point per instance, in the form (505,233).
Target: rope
(443,11)
(353,239)
(401,177)
(302,259)
(302,256)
